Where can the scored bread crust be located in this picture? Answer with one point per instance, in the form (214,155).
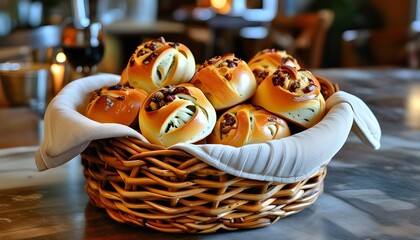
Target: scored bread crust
(158,63)
(246,124)
(226,81)
(187,117)
(267,61)
(115,104)
(304,106)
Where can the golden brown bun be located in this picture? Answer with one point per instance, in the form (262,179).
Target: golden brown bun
(158,63)
(226,81)
(116,104)
(175,114)
(292,94)
(327,88)
(246,124)
(267,61)
(124,77)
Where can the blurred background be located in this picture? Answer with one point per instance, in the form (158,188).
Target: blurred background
(320,33)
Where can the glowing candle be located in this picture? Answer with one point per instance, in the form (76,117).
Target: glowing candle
(58,72)
(413,107)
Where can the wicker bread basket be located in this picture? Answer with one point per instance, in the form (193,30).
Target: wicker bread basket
(173,191)
(197,188)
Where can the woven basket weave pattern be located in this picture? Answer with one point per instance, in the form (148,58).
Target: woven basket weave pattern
(172,191)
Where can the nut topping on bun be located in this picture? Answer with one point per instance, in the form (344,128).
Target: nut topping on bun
(292,94)
(246,124)
(267,61)
(116,104)
(175,114)
(225,80)
(158,63)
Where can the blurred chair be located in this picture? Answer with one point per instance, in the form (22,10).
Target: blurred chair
(413,45)
(303,35)
(377,47)
(237,26)
(4,102)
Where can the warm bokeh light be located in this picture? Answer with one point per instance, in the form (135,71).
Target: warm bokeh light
(218,3)
(60,57)
(413,107)
(221,6)
(58,71)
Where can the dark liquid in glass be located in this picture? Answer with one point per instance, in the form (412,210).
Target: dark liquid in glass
(84,56)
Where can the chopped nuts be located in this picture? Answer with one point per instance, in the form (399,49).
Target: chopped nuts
(228,123)
(165,95)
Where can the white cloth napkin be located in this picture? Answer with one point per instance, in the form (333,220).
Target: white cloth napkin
(68,132)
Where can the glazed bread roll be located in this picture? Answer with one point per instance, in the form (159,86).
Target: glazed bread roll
(116,104)
(175,114)
(225,80)
(267,61)
(124,77)
(157,63)
(246,124)
(292,94)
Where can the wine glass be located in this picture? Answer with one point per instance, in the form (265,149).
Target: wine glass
(83,46)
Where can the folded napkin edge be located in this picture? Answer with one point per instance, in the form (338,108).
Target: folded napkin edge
(39,161)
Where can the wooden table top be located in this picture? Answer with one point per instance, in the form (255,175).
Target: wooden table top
(368,194)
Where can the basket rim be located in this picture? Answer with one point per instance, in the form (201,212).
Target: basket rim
(68,132)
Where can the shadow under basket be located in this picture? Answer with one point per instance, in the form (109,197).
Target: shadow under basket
(172,191)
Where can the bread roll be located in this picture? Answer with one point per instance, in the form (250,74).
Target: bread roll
(116,104)
(267,61)
(292,94)
(246,124)
(327,88)
(124,77)
(158,63)
(175,114)
(225,80)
